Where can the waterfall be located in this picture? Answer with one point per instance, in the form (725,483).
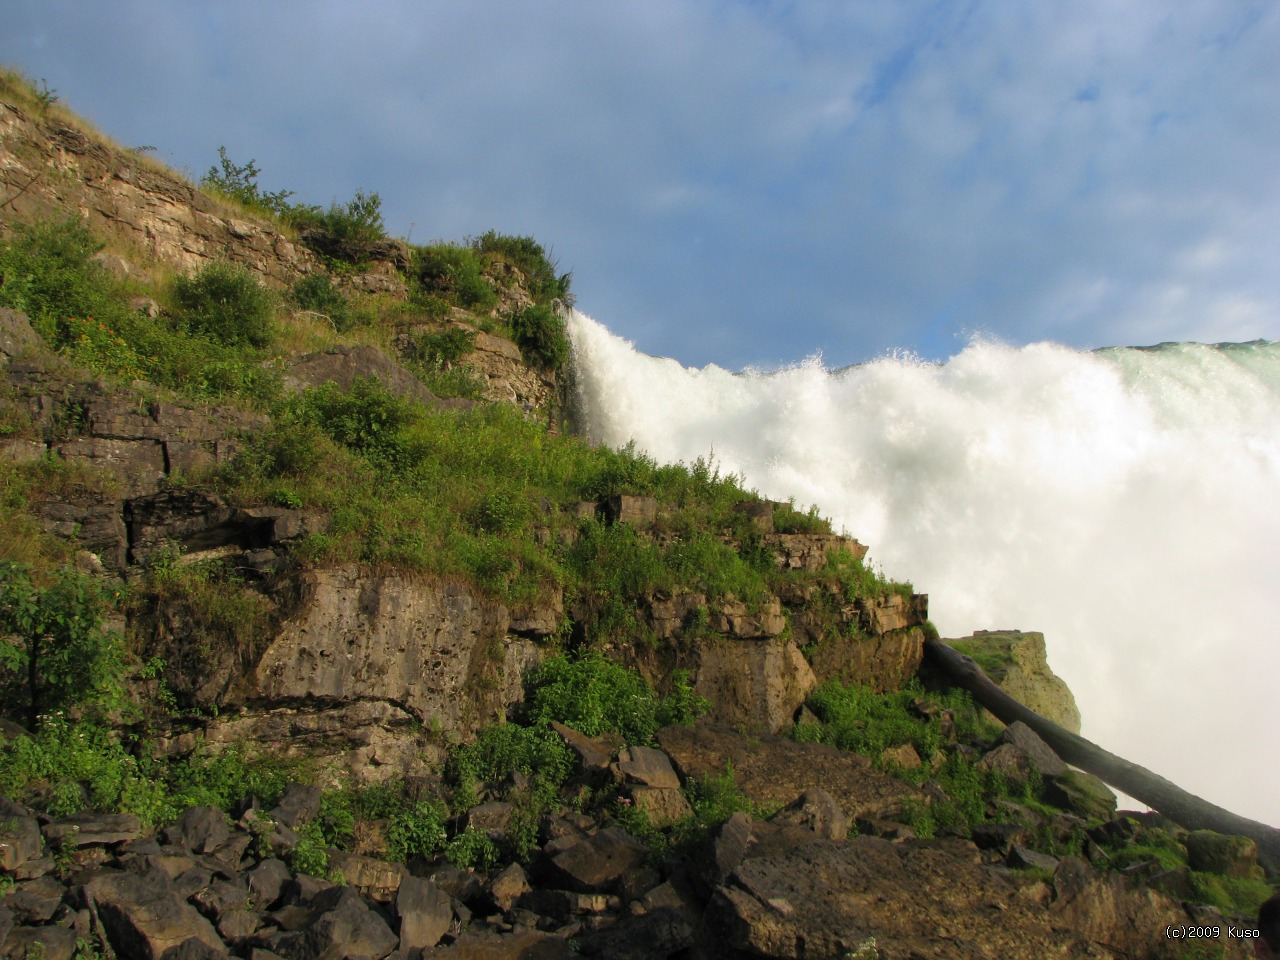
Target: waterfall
(1125,502)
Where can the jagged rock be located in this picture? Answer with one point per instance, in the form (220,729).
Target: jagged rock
(734,618)
(425,912)
(35,901)
(885,829)
(594,754)
(490,818)
(508,886)
(300,803)
(998,836)
(639,512)
(199,829)
(769,769)
(522,945)
(668,616)
(437,649)
(95,520)
(758,684)
(19,839)
(136,465)
(810,551)
(344,365)
(1016,662)
(881,615)
(663,932)
(597,863)
(1113,911)
(818,811)
(267,881)
(46,943)
(662,805)
(1082,794)
(1040,755)
(93,828)
(144,916)
(16,333)
(883,663)
(647,766)
(903,756)
(376,879)
(1219,853)
(340,924)
(1024,858)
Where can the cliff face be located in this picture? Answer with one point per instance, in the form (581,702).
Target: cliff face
(373,664)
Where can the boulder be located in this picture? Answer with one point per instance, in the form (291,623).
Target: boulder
(758,684)
(596,864)
(647,766)
(1082,794)
(144,915)
(425,912)
(199,829)
(93,829)
(19,840)
(44,943)
(663,932)
(1038,753)
(340,924)
(818,811)
(770,769)
(1219,853)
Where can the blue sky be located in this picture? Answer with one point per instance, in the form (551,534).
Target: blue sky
(747,183)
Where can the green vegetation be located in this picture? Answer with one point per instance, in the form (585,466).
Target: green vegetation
(55,652)
(226,303)
(346,234)
(240,183)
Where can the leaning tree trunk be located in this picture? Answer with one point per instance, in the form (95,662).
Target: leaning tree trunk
(1167,798)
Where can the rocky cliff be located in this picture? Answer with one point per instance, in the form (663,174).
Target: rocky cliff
(274,608)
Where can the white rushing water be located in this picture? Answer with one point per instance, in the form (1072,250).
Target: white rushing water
(1125,502)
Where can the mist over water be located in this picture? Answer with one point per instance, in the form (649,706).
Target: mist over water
(1125,502)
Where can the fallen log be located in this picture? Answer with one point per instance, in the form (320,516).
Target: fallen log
(1170,800)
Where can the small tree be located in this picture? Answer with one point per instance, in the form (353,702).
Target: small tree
(241,184)
(227,302)
(55,651)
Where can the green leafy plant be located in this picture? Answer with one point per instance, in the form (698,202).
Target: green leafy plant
(539,331)
(317,294)
(240,183)
(348,233)
(227,303)
(55,651)
(452,273)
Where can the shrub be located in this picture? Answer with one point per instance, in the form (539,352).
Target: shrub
(348,233)
(453,273)
(527,255)
(227,303)
(54,649)
(540,333)
(367,418)
(440,349)
(318,294)
(47,272)
(240,183)
(594,696)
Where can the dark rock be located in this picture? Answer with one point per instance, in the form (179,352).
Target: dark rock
(6,922)
(303,889)
(1220,853)
(199,829)
(425,912)
(93,829)
(343,365)
(489,818)
(998,836)
(647,766)
(45,943)
(1024,858)
(508,886)
(340,925)
(593,754)
(375,878)
(190,882)
(299,804)
(818,811)
(759,514)
(521,945)
(16,333)
(596,864)
(640,512)
(1040,755)
(220,897)
(658,933)
(768,768)
(193,949)
(144,916)
(662,805)
(1082,794)
(462,885)
(267,882)
(35,901)
(19,841)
